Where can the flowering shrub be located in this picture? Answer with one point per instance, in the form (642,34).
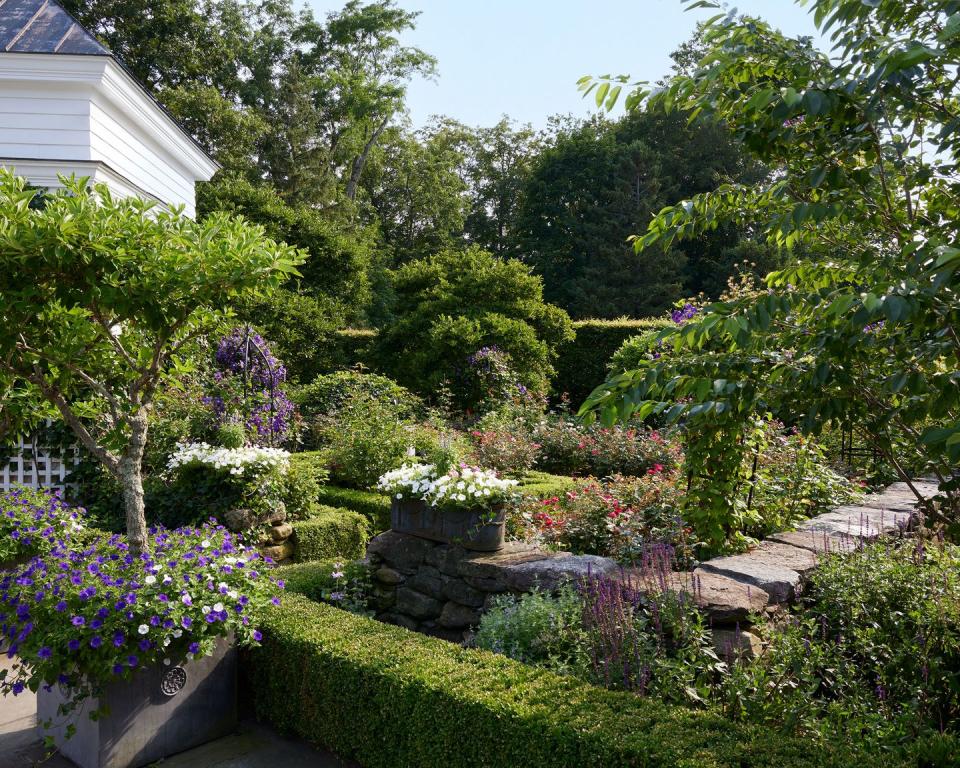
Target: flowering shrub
(611,634)
(84,617)
(235,461)
(513,454)
(207,481)
(620,518)
(568,447)
(461,487)
(247,388)
(487,380)
(33,522)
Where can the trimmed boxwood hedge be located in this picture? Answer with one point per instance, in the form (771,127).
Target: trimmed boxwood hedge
(372,505)
(543,484)
(314,578)
(582,363)
(390,698)
(331,533)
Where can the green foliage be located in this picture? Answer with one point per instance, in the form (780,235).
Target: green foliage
(331,533)
(537,628)
(335,271)
(362,440)
(388,698)
(302,330)
(416,186)
(354,347)
(498,163)
(451,305)
(873,655)
(582,362)
(598,183)
(862,332)
(792,480)
(301,485)
(327,394)
(372,505)
(543,484)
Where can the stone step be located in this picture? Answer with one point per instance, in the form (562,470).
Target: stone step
(820,541)
(724,601)
(883,520)
(759,569)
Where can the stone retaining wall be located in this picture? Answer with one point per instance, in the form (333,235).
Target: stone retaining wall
(442,589)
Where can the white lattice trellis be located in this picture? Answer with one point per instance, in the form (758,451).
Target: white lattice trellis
(36,466)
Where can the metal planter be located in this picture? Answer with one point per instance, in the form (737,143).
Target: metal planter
(472,529)
(158,712)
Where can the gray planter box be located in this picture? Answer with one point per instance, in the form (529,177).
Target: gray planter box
(156,713)
(464,527)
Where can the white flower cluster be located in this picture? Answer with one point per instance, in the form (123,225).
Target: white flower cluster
(462,486)
(233,460)
(409,480)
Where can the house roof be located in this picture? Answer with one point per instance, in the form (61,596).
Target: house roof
(43,26)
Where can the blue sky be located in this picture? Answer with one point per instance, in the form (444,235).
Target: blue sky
(523,57)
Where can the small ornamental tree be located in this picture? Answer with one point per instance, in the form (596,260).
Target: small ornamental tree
(863,333)
(98,298)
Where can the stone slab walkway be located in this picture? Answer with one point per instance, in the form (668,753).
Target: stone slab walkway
(779,564)
(253,745)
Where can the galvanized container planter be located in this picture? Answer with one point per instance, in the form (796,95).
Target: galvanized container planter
(478,530)
(158,712)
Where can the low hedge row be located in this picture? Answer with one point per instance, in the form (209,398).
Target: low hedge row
(372,505)
(543,484)
(331,533)
(313,579)
(390,698)
(582,363)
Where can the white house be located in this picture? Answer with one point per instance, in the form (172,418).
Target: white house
(67,105)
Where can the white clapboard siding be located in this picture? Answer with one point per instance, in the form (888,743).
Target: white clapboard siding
(85,115)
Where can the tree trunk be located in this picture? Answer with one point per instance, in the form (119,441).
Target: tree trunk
(131,480)
(361,160)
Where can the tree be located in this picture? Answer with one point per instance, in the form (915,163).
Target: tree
(98,298)
(864,332)
(339,252)
(585,195)
(498,164)
(333,91)
(450,305)
(417,190)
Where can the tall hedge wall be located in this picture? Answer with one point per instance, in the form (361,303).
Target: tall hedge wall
(390,698)
(353,345)
(582,364)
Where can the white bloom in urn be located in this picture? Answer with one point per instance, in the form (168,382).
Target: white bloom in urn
(460,486)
